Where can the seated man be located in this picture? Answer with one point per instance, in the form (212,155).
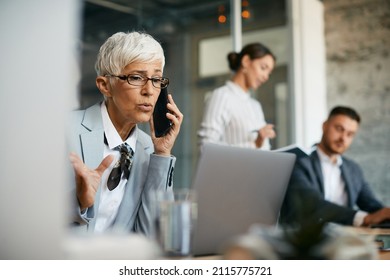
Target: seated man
(328,187)
(117,165)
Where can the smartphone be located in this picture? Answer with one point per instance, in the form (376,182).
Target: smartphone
(161,123)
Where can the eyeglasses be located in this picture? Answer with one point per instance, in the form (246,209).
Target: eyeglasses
(139,80)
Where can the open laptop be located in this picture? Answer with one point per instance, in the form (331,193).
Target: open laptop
(236,188)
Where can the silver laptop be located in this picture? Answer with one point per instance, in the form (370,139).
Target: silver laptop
(236,188)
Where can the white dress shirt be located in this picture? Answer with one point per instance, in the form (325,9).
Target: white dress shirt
(110,200)
(232,117)
(334,185)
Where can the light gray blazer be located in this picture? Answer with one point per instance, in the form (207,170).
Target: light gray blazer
(85,136)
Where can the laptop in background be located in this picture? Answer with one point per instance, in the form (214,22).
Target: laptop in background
(236,188)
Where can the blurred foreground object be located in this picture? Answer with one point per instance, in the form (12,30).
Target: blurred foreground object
(320,242)
(111,247)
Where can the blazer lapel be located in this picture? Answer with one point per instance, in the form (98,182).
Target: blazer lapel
(92,143)
(345,173)
(318,171)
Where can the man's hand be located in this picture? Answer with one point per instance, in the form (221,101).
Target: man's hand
(87,180)
(377,217)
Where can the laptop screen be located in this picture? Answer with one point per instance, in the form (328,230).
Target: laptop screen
(236,188)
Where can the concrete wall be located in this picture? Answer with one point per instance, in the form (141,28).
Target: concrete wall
(357,34)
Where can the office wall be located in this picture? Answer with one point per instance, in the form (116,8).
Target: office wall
(358,74)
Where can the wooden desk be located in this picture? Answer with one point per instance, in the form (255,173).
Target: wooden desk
(383,254)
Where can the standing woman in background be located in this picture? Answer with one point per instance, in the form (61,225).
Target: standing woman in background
(231,115)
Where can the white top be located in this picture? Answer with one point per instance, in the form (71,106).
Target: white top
(232,117)
(110,200)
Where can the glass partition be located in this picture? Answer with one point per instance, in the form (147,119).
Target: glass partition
(195,35)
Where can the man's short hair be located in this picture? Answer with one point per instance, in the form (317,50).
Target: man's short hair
(346,111)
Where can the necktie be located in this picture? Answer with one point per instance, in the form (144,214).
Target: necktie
(122,166)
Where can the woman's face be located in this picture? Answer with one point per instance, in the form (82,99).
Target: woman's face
(258,71)
(128,104)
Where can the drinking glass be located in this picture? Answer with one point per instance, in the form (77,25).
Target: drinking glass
(174,220)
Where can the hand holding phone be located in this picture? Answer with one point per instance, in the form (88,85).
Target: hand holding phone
(161,123)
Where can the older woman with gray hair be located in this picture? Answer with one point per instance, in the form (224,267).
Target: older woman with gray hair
(116,164)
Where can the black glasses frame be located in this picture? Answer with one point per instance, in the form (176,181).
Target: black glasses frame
(164,82)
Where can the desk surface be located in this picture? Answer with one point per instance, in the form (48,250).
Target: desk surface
(382,254)
(369,231)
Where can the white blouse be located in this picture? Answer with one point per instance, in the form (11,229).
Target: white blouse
(232,117)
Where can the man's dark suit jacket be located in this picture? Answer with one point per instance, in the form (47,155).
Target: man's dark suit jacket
(304,200)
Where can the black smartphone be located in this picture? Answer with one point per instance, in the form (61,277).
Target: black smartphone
(161,123)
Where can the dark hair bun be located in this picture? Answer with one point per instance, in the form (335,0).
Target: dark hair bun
(234,61)
(253,50)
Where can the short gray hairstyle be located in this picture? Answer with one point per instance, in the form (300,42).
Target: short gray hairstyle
(121,49)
